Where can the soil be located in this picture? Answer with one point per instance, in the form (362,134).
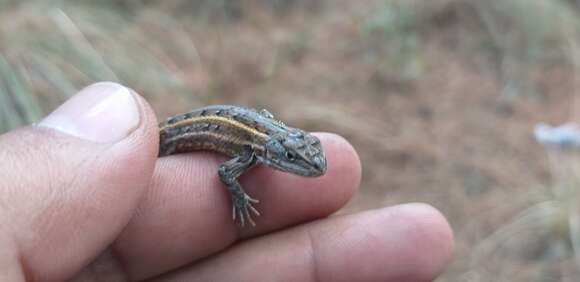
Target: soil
(448,136)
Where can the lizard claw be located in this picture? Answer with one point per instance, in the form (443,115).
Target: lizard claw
(241,207)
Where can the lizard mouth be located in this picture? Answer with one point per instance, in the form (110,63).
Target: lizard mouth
(318,166)
(312,168)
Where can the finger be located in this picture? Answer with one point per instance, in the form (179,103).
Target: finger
(187,213)
(410,242)
(71,183)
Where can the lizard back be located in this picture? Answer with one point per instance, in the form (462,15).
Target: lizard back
(220,128)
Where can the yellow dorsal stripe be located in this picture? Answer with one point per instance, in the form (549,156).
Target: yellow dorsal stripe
(214,119)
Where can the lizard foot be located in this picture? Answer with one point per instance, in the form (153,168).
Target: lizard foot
(242,206)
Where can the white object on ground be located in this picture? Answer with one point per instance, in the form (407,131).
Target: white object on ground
(565,136)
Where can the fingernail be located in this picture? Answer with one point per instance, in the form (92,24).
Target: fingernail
(103,112)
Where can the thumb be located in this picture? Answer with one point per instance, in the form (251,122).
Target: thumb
(69,184)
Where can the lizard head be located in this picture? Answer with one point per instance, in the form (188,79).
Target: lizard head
(296,152)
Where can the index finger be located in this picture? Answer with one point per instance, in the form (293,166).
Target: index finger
(186,214)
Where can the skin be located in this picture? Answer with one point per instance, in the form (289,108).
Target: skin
(73,208)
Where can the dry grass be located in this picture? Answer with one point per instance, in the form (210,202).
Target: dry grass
(439,98)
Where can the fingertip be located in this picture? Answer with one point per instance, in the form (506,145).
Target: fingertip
(336,145)
(344,165)
(291,199)
(414,240)
(427,234)
(418,227)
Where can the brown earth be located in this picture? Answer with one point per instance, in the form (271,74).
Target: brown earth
(449,136)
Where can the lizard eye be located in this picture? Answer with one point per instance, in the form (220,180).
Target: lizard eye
(290,156)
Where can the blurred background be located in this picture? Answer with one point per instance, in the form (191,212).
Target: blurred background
(440,97)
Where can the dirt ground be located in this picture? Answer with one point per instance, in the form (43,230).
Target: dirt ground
(440,110)
(448,136)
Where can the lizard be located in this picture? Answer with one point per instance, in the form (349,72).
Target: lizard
(249,137)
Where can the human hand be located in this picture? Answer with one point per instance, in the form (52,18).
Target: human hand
(84,197)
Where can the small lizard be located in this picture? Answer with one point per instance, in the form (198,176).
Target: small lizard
(249,137)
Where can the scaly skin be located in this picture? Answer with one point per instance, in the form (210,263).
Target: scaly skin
(249,137)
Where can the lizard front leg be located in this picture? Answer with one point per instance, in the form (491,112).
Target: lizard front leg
(229,172)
